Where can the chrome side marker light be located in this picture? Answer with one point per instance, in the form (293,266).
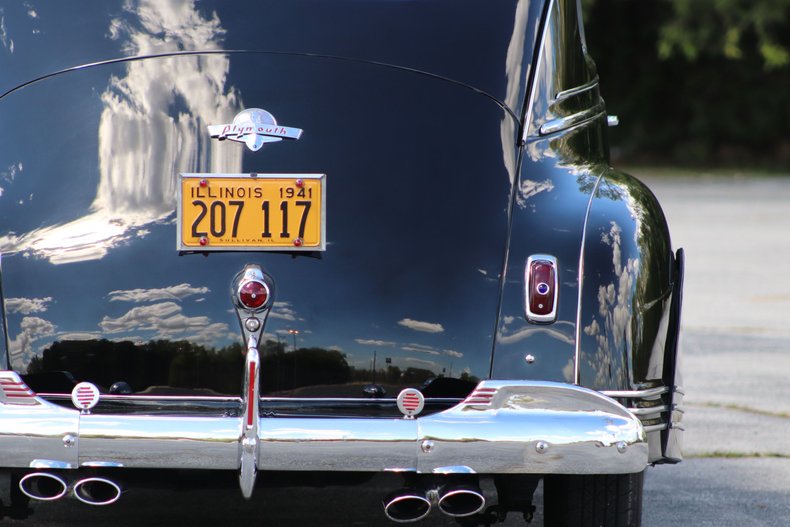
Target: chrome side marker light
(541,289)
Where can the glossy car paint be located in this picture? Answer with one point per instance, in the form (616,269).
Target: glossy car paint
(444,175)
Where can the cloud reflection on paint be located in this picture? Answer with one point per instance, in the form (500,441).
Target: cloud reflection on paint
(152,127)
(27,306)
(175,292)
(166,320)
(418,325)
(31,329)
(615,310)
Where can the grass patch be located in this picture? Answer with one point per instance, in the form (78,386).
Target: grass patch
(701,173)
(722,454)
(741,408)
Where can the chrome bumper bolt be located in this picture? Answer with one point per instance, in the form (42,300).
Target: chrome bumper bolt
(622,447)
(69,440)
(248,444)
(427,446)
(542,447)
(252,324)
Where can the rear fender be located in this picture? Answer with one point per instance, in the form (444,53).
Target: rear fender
(624,314)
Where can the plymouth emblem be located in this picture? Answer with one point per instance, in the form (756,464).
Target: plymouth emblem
(254,127)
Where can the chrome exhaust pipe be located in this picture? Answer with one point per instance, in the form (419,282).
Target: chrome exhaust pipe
(407,505)
(43,486)
(461,501)
(97,491)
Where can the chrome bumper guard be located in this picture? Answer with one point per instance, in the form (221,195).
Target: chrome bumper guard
(514,427)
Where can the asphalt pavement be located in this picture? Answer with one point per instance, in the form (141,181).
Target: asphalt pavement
(736,354)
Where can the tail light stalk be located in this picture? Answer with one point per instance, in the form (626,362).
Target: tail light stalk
(252,292)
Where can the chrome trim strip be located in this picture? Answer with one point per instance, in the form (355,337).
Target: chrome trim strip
(563,123)
(230,399)
(101,464)
(580,279)
(51,464)
(148,398)
(656,428)
(369,400)
(636,394)
(570,92)
(529,427)
(340,58)
(644,412)
(525,126)
(461,469)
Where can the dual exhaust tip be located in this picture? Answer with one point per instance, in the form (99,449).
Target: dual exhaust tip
(402,506)
(44,486)
(411,505)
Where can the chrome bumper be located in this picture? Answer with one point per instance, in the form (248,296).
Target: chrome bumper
(526,427)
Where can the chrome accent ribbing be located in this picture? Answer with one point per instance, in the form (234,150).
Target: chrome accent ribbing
(636,394)
(647,412)
(563,123)
(570,92)
(656,428)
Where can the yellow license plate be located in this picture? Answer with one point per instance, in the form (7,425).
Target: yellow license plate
(251,212)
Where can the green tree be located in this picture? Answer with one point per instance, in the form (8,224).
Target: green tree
(734,29)
(695,82)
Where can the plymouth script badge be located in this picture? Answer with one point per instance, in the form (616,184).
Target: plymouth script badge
(254,127)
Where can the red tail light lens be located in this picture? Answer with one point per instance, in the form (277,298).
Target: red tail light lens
(253,294)
(541,289)
(541,301)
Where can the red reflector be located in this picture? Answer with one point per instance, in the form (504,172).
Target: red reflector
(251,402)
(253,295)
(541,288)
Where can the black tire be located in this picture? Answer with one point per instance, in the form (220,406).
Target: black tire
(593,501)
